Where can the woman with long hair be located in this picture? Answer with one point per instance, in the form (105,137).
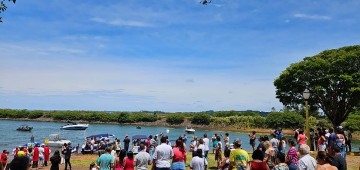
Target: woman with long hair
(292,156)
(55,160)
(120,160)
(270,155)
(179,159)
(301,139)
(129,161)
(340,141)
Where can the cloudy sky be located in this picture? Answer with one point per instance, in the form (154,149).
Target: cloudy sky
(169,55)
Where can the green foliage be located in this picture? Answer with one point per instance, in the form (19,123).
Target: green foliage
(353,122)
(284,120)
(333,78)
(201,119)
(35,114)
(235,113)
(3,6)
(175,119)
(323,122)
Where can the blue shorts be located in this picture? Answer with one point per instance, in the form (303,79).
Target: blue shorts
(178,166)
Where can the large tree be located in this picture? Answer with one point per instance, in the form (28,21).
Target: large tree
(333,78)
(3,7)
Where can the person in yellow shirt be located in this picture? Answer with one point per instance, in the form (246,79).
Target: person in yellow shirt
(238,157)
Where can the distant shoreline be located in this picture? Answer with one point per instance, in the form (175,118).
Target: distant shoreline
(163,123)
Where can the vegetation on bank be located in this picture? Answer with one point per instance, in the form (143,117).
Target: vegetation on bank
(230,119)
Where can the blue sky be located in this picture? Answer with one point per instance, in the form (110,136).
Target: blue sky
(169,55)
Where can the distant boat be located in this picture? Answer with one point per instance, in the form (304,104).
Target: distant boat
(75,126)
(24,128)
(138,127)
(55,140)
(189,130)
(167,130)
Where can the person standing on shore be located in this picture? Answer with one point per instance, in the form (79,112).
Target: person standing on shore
(206,148)
(4,158)
(306,162)
(126,143)
(252,140)
(142,159)
(35,157)
(67,153)
(55,160)
(47,152)
(162,155)
(238,157)
(106,161)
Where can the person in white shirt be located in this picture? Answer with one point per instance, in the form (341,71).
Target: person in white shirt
(198,162)
(162,155)
(306,162)
(41,154)
(206,143)
(142,159)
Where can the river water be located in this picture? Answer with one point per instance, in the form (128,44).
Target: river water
(10,137)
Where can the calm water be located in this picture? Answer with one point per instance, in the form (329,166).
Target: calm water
(10,137)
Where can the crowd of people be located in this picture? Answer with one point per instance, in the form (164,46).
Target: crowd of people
(35,157)
(275,152)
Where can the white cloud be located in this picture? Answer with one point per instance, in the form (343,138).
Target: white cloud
(313,17)
(122,22)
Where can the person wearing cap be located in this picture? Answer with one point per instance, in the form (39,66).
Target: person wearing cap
(238,157)
(126,143)
(41,154)
(4,157)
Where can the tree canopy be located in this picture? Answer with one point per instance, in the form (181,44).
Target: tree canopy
(333,78)
(3,7)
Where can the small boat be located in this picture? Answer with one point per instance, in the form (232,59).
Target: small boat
(136,141)
(55,140)
(138,127)
(189,130)
(24,128)
(75,126)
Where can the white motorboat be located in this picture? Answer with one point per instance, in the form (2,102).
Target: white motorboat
(189,130)
(55,140)
(75,126)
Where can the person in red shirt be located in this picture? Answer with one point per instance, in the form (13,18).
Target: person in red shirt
(4,157)
(35,157)
(47,152)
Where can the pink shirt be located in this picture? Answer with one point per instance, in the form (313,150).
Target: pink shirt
(178,155)
(301,139)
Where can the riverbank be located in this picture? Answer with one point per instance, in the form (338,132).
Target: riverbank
(162,122)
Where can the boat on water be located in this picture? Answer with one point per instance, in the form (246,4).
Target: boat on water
(138,127)
(74,126)
(136,140)
(92,142)
(189,130)
(55,140)
(24,128)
